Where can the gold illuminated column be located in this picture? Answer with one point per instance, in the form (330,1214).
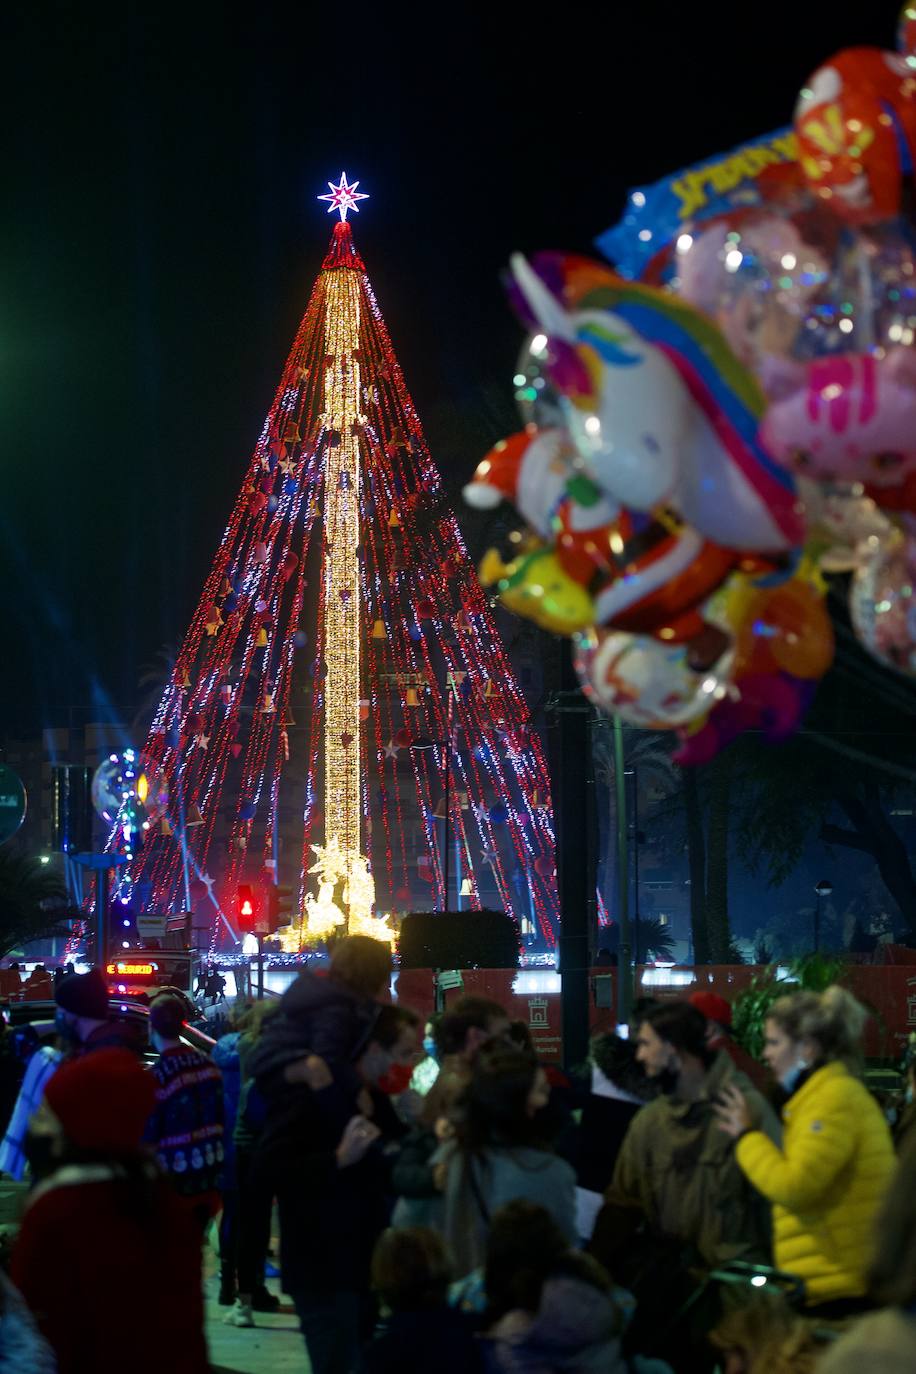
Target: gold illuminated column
(340,587)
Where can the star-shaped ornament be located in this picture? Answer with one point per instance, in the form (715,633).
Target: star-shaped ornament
(344,196)
(202,741)
(391,750)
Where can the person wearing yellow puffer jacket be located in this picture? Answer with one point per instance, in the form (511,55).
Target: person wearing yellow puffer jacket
(828,1180)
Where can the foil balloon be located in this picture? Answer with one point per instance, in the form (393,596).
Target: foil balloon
(784,629)
(850,418)
(647,574)
(883,604)
(534,585)
(645,682)
(774,706)
(658,407)
(856,126)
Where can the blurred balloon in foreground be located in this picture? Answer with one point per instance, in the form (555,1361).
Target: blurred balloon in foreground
(645,682)
(883,604)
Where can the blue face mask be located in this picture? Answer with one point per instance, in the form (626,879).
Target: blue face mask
(791,1076)
(429,1047)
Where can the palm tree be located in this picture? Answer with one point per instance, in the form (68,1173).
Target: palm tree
(655,939)
(153,680)
(33,901)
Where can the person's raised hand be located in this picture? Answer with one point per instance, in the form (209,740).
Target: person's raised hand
(359,1134)
(732,1111)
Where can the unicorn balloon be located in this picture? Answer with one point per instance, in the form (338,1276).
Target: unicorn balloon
(659,410)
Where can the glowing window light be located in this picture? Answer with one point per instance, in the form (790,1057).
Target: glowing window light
(667,978)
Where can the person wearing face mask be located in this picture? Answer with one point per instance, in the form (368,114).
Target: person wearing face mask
(678,1205)
(427,1071)
(828,1178)
(332,1186)
(674,1168)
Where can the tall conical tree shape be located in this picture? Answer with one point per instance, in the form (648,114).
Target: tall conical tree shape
(342,702)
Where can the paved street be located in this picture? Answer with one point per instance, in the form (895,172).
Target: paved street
(274,1346)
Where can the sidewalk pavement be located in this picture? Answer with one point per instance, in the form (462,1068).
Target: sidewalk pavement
(273,1346)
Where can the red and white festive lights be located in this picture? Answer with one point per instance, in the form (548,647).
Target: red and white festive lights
(342,591)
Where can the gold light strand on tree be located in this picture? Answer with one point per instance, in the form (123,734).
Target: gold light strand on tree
(341,593)
(341,564)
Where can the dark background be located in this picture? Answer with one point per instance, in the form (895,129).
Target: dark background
(160,237)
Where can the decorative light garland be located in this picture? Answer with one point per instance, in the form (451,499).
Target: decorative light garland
(290,699)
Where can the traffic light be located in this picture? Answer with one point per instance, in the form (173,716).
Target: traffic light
(279,908)
(244,906)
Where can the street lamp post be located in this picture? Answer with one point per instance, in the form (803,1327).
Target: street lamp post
(821,890)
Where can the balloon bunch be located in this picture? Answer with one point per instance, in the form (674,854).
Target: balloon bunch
(660,532)
(704,445)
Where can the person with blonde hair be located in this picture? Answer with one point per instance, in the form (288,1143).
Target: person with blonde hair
(829,1177)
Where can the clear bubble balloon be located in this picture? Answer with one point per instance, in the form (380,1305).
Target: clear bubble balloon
(794,282)
(883,604)
(114,782)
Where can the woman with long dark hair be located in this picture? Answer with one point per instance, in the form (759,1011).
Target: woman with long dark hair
(108,1257)
(500,1154)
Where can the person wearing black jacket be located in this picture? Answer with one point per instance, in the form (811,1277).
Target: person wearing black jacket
(332,1187)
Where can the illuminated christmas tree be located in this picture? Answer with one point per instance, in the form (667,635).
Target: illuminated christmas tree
(342,715)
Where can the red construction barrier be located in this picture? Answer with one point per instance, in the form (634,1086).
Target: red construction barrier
(533,996)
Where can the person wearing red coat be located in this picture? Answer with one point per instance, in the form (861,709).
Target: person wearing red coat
(108,1257)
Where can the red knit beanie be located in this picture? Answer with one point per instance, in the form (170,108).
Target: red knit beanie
(712,1006)
(103,1101)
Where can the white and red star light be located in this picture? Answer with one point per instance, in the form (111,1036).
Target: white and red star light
(344,196)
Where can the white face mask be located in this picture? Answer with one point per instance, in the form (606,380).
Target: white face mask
(792,1075)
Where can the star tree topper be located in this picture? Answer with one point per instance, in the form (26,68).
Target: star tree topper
(344,196)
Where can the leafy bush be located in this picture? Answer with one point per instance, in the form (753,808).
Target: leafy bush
(810,973)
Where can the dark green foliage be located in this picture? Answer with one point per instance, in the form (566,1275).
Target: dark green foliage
(813,973)
(32,900)
(655,941)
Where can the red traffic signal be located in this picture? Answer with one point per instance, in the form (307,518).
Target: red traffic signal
(244,906)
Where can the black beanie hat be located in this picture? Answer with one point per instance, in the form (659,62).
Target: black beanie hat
(85,994)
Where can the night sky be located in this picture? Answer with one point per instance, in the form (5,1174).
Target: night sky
(160,236)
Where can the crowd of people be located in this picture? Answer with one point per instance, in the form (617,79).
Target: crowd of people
(674,1207)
